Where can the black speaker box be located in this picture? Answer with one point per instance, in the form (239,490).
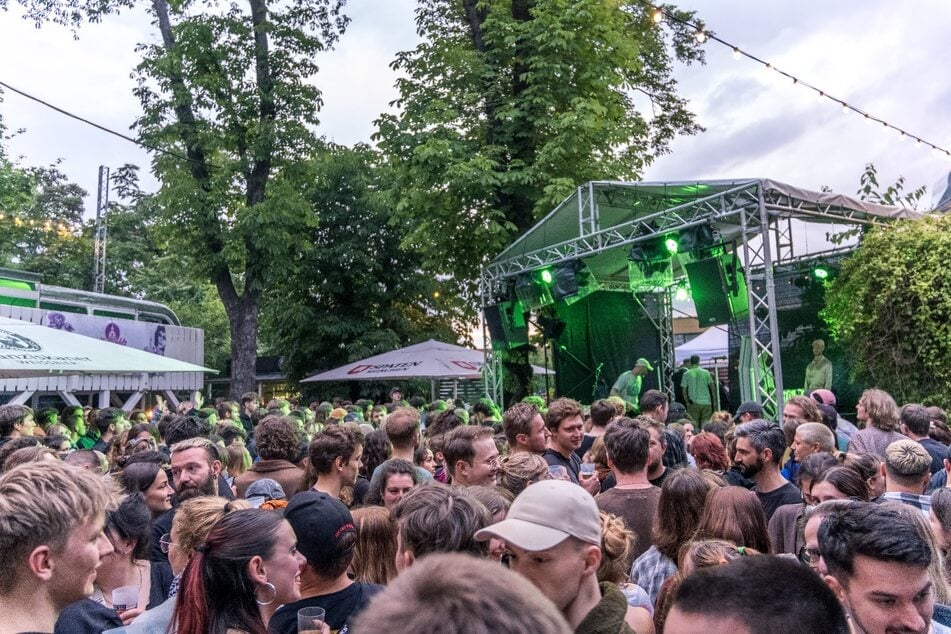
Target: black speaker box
(506,324)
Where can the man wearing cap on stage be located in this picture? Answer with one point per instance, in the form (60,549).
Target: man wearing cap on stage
(628,385)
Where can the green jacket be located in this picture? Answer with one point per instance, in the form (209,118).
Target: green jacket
(607,617)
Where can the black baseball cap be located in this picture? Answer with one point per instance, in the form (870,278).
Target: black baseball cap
(320,523)
(749,407)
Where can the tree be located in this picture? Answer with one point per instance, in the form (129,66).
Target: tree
(507,105)
(227,98)
(355,291)
(890,306)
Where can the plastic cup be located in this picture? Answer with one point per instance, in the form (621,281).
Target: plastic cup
(125,598)
(310,620)
(557,472)
(587,470)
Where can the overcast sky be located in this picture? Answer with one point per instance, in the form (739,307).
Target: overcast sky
(883,57)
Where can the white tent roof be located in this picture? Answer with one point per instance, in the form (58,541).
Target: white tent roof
(713,342)
(29,350)
(428,360)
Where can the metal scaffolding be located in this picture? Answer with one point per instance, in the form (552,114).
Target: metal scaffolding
(752,218)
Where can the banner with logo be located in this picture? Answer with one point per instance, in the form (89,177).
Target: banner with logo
(140,335)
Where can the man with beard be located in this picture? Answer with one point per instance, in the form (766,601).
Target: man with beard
(759,450)
(878,562)
(195,471)
(524,429)
(657,471)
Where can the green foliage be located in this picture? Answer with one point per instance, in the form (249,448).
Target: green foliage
(227,94)
(43,229)
(507,105)
(353,291)
(890,306)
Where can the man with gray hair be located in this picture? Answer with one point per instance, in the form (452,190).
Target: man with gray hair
(812,438)
(907,470)
(759,449)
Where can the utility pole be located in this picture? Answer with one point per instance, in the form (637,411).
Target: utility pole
(99,249)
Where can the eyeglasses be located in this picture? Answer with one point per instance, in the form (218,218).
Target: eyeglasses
(809,556)
(165,542)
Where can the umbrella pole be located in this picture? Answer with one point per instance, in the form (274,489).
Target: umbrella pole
(432,390)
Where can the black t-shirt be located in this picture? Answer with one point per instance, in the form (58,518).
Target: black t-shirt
(340,606)
(360,489)
(786,494)
(86,616)
(586,444)
(161,525)
(659,480)
(572,463)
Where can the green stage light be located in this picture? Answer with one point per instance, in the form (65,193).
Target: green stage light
(545,276)
(820,273)
(682,294)
(671,245)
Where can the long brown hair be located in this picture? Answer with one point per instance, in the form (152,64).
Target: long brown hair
(734,514)
(679,509)
(374,556)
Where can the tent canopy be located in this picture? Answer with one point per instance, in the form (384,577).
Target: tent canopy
(601,215)
(713,342)
(428,360)
(32,350)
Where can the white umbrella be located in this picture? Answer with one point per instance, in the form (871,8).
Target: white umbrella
(428,360)
(29,350)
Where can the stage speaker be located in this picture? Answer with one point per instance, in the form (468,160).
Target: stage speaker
(506,324)
(718,289)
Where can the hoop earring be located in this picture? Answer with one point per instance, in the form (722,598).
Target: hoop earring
(273,594)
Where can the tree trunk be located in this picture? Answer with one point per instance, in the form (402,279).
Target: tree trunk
(243,319)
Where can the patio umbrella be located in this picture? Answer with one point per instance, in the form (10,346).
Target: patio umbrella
(428,360)
(30,350)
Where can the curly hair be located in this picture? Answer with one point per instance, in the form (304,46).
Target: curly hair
(518,470)
(276,439)
(376,450)
(881,409)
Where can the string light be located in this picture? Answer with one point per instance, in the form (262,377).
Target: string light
(660,14)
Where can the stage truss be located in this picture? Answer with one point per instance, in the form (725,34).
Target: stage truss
(601,222)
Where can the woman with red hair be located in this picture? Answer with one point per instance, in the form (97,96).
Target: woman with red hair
(246,569)
(709,452)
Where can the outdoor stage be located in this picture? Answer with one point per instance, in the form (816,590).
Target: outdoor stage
(608,261)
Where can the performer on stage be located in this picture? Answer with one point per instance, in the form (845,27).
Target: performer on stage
(819,371)
(628,385)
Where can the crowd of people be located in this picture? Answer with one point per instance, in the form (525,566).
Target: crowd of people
(410,516)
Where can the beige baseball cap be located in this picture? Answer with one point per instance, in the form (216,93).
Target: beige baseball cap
(545,514)
(645,363)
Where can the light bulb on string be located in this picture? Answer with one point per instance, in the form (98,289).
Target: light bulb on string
(736,53)
(845,108)
(658,16)
(701,37)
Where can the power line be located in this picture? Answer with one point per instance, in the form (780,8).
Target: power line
(702,35)
(98,126)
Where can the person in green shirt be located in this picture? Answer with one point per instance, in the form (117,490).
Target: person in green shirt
(628,385)
(698,391)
